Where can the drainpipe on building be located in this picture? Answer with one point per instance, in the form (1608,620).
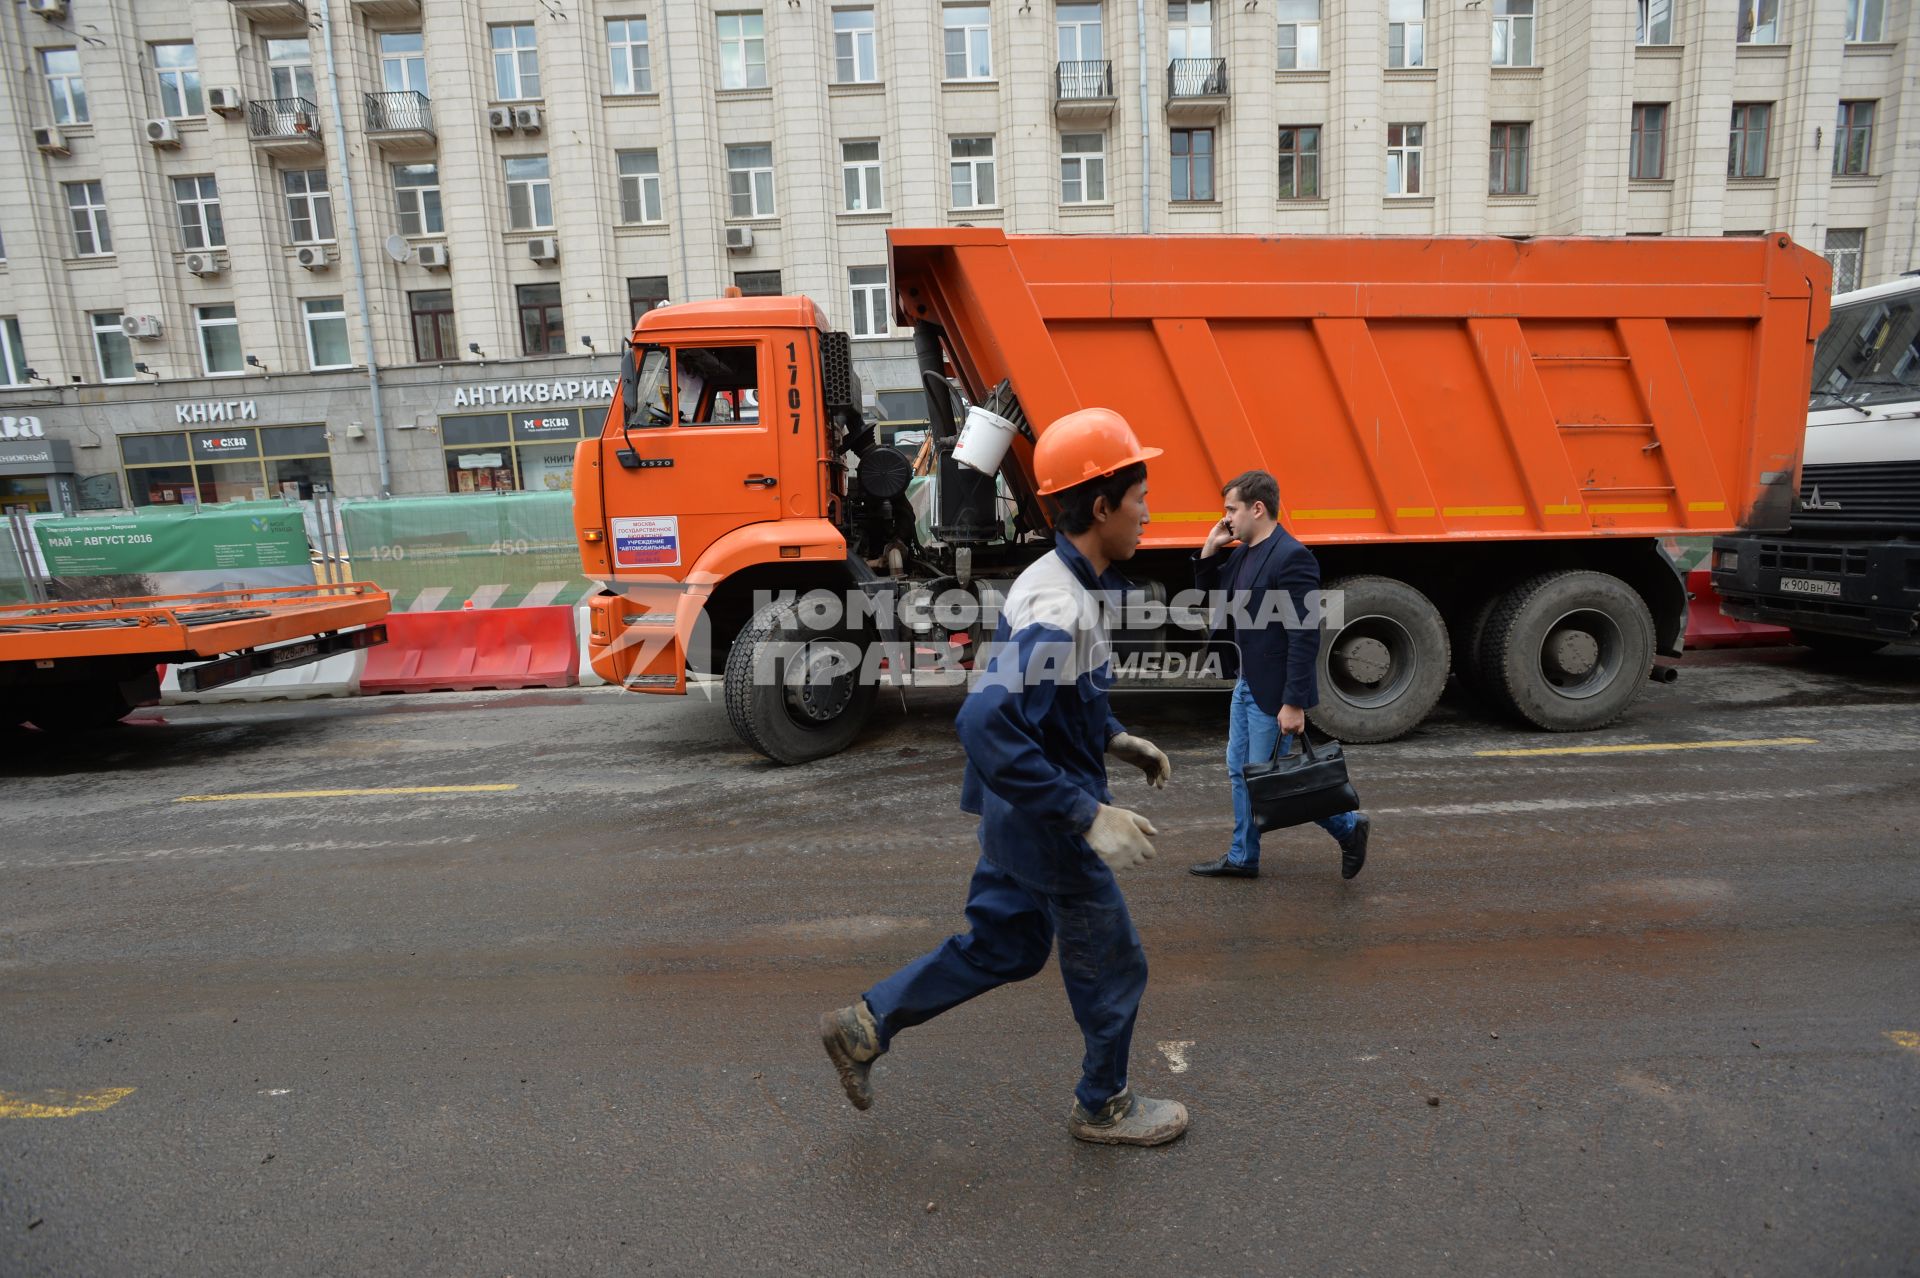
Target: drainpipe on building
(673,122)
(1146,132)
(353,242)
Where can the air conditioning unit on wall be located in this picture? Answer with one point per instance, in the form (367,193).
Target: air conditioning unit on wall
(527,119)
(225,101)
(163,133)
(205,264)
(500,119)
(51,10)
(144,327)
(50,141)
(314,257)
(431,256)
(544,248)
(739,239)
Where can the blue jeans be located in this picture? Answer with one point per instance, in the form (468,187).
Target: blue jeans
(1012,930)
(1251,732)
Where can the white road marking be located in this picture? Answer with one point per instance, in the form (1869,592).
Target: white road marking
(1499,807)
(1175,1050)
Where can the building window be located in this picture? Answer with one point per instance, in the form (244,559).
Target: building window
(1300,162)
(750,181)
(860,176)
(403,62)
(178,68)
(644,292)
(233,463)
(855,59)
(1405,145)
(1192,164)
(1406,33)
(197,201)
(1846,253)
(87,207)
(627,45)
(1647,160)
(969,43)
(290,69)
(416,197)
(1853,140)
(13,354)
(325,319)
(757,283)
(542,330)
(1866,21)
(743,51)
(1655,24)
(1077,30)
(65,86)
(1513,33)
(528,449)
(639,186)
(1747,152)
(1299,34)
(1759,21)
(309,206)
(516,63)
(529,194)
(1507,172)
(432,314)
(971,172)
(219,341)
(111,349)
(868,284)
(1189,30)
(1083,168)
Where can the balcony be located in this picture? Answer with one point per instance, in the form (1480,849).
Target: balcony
(1196,88)
(272,12)
(387,8)
(1083,90)
(400,121)
(288,127)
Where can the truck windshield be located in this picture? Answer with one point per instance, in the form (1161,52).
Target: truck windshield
(1870,354)
(649,405)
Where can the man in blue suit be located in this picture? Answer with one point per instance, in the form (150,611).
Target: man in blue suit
(1275,662)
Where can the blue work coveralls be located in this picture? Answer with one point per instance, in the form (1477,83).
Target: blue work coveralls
(1035,727)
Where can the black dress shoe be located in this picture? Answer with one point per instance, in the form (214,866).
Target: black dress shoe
(1353,848)
(1224,869)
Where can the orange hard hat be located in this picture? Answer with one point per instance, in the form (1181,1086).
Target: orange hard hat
(1085,445)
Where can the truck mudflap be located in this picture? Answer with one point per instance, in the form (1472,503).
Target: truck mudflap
(1865,588)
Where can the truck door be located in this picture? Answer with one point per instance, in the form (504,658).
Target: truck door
(708,462)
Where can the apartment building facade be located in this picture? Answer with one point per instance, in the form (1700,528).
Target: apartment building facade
(222,208)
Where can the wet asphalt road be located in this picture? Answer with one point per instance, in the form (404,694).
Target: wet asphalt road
(1667,1002)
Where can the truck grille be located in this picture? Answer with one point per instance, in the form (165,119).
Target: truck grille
(1857,494)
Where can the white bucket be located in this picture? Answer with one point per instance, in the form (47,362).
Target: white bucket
(984,439)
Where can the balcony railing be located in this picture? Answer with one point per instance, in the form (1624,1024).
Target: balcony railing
(404,112)
(1197,78)
(291,119)
(1083,81)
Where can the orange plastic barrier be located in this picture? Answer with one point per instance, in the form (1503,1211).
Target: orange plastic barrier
(1708,627)
(471,649)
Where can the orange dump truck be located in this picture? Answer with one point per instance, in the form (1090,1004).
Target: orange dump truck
(1483,439)
(72,666)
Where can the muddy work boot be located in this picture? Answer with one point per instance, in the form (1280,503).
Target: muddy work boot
(1129,1120)
(853,1043)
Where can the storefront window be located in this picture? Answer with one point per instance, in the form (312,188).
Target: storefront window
(234,464)
(530,449)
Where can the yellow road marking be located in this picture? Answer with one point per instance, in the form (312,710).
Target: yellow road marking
(62,1104)
(1477,512)
(347,794)
(1645,749)
(1353,513)
(1905,1038)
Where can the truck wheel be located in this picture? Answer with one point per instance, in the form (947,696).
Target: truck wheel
(1828,645)
(1382,671)
(1467,630)
(794,693)
(1569,651)
(75,708)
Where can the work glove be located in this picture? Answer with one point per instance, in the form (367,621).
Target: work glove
(1144,755)
(1120,837)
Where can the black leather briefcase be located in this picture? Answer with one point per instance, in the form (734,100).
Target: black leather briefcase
(1299,787)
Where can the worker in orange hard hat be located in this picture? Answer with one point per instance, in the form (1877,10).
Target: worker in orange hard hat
(1037,727)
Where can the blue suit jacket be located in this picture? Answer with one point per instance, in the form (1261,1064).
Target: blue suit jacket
(1277,661)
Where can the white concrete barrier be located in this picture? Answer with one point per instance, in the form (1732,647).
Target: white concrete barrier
(336,676)
(583,631)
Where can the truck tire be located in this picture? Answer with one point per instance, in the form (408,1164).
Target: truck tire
(1467,630)
(70,709)
(1569,651)
(1827,645)
(1383,670)
(784,697)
